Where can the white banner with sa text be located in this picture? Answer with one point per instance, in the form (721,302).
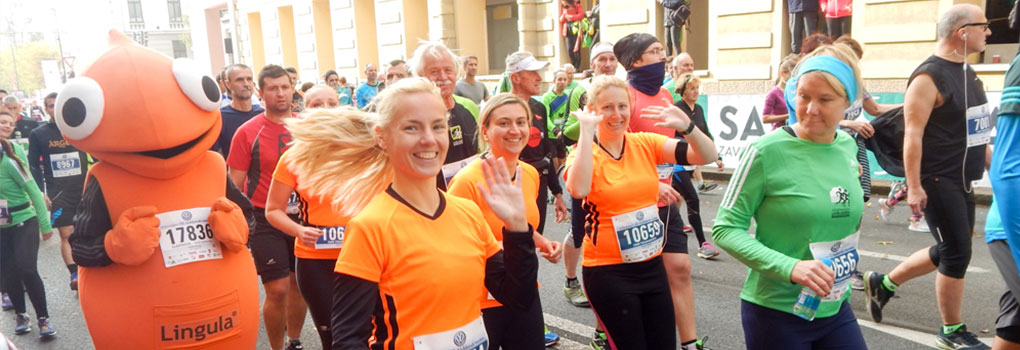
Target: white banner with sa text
(735,122)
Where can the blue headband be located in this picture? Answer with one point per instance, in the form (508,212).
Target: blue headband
(827,64)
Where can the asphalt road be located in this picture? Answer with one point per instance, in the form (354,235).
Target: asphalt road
(910,322)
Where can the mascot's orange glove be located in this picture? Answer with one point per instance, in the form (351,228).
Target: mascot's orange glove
(135,236)
(228,224)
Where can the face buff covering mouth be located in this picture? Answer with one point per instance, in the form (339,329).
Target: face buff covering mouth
(647,79)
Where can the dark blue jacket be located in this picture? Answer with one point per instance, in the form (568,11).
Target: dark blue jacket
(802,6)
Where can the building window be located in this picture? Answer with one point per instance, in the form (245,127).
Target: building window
(1001,46)
(135,11)
(180,49)
(174,8)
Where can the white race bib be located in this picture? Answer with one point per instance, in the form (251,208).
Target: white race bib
(844,256)
(187,237)
(65,164)
(664,171)
(5,214)
(332,237)
(979,125)
(471,336)
(293,204)
(640,234)
(449,170)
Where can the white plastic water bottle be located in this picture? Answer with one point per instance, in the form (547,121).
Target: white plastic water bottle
(808,300)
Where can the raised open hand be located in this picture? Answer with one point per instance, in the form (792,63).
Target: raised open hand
(505,198)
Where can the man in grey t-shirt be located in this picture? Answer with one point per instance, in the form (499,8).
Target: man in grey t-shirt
(468,87)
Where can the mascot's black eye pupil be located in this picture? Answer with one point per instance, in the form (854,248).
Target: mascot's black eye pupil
(212,91)
(73,112)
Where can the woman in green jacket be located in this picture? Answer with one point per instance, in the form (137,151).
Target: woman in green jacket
(22,214)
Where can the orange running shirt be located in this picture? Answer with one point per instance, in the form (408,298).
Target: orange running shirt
(430,268)
(314,211)
(618,187)
(463,186)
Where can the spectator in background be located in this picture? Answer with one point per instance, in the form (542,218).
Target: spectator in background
(680,65)
(813,42)
(242,107)
(334,81)
(775,112)
(674,33)
(837,16)
(292,72)
(571,12)
(369,88)
(396,70)
(469,87)
(803,21)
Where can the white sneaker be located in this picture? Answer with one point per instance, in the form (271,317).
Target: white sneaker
(920,225)
(885,209)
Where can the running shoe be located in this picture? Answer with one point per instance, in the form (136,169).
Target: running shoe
(572,290)
(74,281)
(7,304)
(707,251)
(295,345)
(885,210)
(919,225)
(857,281)
(45,328)
(550,337)
(959,340)
(877,294)
(599,341)
(707,187)
(23,324)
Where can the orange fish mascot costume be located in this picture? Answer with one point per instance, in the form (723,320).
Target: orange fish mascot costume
(161,248)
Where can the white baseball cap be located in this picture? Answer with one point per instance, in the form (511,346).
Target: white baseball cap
(518,62)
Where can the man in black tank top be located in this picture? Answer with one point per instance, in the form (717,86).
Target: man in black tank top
(948,124)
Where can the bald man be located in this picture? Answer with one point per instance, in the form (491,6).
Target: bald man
(941,158)
(681,64)
(364,94)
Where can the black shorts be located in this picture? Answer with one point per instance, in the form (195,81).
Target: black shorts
(676,238)
(62,216)
(273,250)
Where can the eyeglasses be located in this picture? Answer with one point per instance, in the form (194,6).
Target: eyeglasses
(658,51)
(984,25)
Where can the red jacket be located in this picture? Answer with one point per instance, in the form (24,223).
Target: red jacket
(575,13)
(836,8)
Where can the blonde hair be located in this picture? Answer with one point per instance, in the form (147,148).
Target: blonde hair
(843,53)
(602,83)
(685,80)
(788,64)
(335,152)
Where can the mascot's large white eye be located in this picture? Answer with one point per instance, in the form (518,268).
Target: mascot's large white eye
(200,88)
(79,108)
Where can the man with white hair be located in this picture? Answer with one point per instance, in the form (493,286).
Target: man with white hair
(435,62)
(24,124)
(947,126)
(681,64)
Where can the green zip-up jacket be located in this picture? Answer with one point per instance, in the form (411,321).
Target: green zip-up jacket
(799,192)
(18,188)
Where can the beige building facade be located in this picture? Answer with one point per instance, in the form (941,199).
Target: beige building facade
(737,44)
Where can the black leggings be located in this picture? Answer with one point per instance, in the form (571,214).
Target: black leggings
(633,303)
(682,183)
(575,57)
(19,252)
(512,329)
(315,280)
(950,214)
